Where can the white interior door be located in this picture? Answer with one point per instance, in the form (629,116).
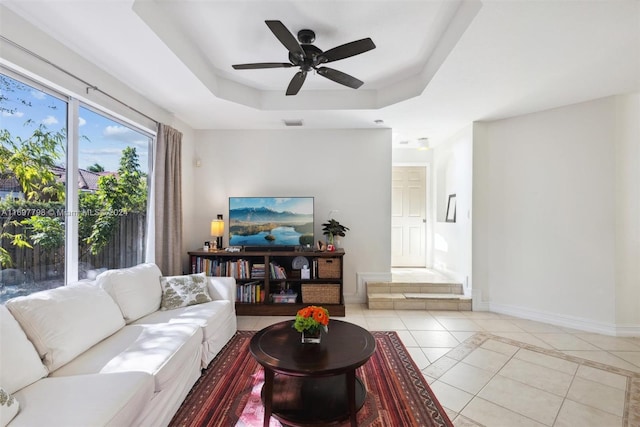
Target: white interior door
(408,216)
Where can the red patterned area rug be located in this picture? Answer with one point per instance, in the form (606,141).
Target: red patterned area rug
(228,392)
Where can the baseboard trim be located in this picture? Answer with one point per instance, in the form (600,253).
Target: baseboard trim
(573,322)
(477,304)
(628,330)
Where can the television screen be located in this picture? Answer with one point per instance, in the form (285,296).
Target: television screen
(270,221)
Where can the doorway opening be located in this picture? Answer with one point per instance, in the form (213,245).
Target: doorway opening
(409,216)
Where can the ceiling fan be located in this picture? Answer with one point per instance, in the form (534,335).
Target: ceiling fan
(308,57)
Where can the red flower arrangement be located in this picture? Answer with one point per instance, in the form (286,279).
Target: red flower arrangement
(312,318)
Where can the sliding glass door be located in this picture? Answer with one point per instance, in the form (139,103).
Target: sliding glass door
(73,189)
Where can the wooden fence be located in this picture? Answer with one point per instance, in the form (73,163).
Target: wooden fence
(35,269)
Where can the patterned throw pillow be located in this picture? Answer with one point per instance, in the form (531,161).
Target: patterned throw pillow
(181,291)
(9,407)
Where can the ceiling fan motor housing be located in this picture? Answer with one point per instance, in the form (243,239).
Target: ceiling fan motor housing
(306,36)
(312,57)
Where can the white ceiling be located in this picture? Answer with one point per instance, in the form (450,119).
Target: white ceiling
(438,64)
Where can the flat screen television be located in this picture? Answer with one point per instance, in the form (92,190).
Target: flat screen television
(270,221)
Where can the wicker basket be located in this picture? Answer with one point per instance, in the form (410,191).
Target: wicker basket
(329,268)
(320,293)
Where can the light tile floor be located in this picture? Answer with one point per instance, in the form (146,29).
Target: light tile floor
(511,371)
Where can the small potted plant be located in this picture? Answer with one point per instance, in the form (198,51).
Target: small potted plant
(310,321)
(333,228)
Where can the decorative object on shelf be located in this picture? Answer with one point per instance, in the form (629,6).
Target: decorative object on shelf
(332,229)
(217,231)
(451,209)
(299,263)
(311,321)
(320,293)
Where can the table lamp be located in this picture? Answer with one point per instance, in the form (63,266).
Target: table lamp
(217,231)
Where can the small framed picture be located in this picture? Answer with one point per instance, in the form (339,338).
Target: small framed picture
(451,209)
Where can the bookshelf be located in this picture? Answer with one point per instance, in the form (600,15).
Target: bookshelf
(271,283)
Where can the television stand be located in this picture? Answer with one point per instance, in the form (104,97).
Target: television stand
(271,282)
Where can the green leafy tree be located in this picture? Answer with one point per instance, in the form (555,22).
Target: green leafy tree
(116,196)
(16,240)
(19,235)
(131,185)
(31,161)
(47,232)
(96,167)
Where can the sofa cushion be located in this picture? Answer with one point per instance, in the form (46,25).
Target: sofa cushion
(162,350)
(222,288)
(64,322)
(20,364)
(216,318)
(136,290)
(182,291)
(9,407)
(85,400)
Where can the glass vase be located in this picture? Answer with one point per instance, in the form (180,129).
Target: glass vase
(311,336)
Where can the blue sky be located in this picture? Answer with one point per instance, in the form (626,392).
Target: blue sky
(303,205)
(102,140)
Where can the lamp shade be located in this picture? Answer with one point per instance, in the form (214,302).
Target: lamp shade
(217,228)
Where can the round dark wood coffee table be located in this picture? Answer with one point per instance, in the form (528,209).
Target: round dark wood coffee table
(317,382)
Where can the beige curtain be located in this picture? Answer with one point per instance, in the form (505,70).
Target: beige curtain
(168,200)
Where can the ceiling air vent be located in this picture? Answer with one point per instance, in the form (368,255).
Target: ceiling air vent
(292,122)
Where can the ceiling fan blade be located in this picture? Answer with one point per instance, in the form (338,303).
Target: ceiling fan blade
(286,38)
(340,77)
(262,65)
(347,50)
(296,83)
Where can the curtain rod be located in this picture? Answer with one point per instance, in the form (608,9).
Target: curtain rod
(89,85)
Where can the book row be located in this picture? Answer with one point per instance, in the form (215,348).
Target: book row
(250,292)
(239,268)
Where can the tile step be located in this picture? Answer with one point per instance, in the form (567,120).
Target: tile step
(418,301)
(416,296)
(417,288)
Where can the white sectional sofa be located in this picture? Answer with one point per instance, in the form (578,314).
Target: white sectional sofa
(112,352)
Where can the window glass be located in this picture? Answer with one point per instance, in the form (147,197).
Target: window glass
(111,179)
(112,176)
(32,186)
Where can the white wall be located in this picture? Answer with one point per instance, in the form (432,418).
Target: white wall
(627,219)
(453,175)
(546,187)
(344,170)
